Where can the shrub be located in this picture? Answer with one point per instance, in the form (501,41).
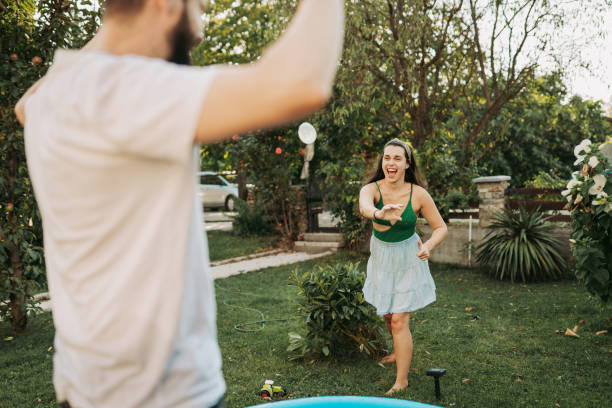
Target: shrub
(522,245)
(546,179)
(338,319)
(589,196)
(250,220)
(31,31)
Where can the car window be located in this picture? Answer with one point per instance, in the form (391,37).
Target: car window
(211,179)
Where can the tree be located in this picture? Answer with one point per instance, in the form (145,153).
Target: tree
(538,130)
(31,31)
(447,65)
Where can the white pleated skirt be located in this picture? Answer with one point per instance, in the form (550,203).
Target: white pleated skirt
(397,281)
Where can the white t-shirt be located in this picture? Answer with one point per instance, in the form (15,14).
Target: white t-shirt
(109,143)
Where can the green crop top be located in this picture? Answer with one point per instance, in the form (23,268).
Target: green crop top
(401,230)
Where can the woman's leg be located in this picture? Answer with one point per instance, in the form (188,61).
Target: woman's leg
(391,357)
(402,344)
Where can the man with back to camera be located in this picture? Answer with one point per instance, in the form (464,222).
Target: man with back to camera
(111,136)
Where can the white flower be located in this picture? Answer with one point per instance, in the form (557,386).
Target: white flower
(608,208)
(593,162)
(579,160)
(600,182)
(565,193)
(602,194)
(582,147)
(572,183)
(598,202)
(578,199)
(573,241)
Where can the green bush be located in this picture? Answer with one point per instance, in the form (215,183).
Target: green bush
(339,322)
(546,179)
(589,197)
(521,244)
(250,220)
(456,199)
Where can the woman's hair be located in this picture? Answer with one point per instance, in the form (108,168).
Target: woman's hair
(412,174)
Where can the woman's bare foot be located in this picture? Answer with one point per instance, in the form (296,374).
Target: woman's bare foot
(397,387)
(388,359)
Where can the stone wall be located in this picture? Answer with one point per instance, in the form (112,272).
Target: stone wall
(492,193)
(454,249)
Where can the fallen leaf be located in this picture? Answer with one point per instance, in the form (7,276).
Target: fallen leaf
(571,333)
(459,280)
(582,322)
(8,338)
(575,329)
(49,349)
(557,405)
(599,333)
(38,400)
(467,309)
(559,331)
(465,381)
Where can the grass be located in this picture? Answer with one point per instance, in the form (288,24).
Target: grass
(512,355)
(224,244)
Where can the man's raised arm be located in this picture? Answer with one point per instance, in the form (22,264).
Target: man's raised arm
(293,78)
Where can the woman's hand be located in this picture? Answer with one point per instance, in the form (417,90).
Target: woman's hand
(423,252)
(388,213)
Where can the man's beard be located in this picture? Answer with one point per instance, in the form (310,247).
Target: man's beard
(181,41)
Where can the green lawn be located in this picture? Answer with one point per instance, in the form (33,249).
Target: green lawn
(223,244)
(512,355)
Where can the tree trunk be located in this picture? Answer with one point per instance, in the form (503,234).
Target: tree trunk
(19,319)
(243,193)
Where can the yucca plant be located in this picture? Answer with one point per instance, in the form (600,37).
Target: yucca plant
(521,244)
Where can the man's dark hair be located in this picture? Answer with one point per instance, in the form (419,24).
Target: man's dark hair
(114,7)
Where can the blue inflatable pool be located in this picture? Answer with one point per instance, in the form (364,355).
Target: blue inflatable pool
(354,402)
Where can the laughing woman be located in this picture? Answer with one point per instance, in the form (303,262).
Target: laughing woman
(398,280)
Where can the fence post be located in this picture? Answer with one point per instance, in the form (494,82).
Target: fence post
(491,191)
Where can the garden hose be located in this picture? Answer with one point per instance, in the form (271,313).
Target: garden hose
(262,322)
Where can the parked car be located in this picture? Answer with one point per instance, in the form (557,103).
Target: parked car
(216,191)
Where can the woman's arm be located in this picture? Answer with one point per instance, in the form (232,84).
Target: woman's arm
(434,219)
(367,209)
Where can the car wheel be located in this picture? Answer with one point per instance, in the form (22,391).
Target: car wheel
(230,203)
